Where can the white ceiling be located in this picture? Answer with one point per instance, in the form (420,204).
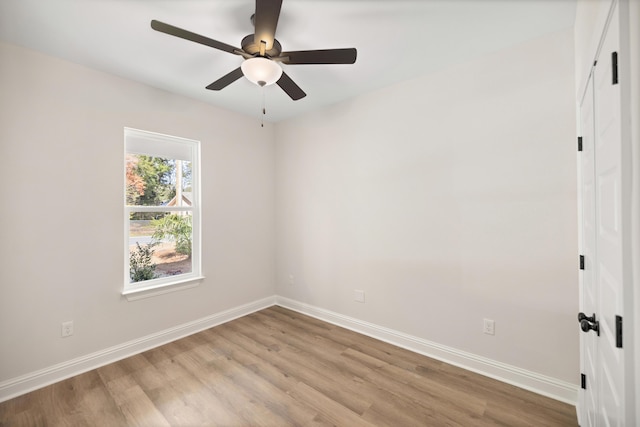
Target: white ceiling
(396,40)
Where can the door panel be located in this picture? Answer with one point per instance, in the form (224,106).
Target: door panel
(609,190)
(609,238)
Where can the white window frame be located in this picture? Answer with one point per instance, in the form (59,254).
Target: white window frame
(172,147)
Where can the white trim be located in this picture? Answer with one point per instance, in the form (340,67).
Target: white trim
(133,208)
(162,288)
(634,112)
(35,380)
(528,380)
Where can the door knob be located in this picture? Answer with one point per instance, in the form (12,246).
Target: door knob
(589,323)
(582,316)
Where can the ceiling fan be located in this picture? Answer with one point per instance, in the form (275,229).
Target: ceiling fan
(262,52)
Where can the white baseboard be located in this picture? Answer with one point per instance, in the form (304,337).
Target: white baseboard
(35,380)
(528,380)
(541,384)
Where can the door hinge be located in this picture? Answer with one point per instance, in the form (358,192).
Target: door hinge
(579,143)
(614,68)
(581,262)
(583,381)
(619,331)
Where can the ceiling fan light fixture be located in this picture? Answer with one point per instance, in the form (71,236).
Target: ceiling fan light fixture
(261,71)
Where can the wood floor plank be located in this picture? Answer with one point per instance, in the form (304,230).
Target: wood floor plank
(433,391)
(326,351)
(260,360)
(259,385)
(389,353)
(277,367)
(222,378)
(336,413)
(309,369)
(134,403)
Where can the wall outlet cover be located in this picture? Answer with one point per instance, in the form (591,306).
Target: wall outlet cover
(67,329)
(489,327)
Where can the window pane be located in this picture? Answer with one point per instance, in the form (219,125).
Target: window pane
(162,226)
(160,245)
(157,181)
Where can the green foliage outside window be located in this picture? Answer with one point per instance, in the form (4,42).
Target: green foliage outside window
(141,267)
(156,173)
(176,228)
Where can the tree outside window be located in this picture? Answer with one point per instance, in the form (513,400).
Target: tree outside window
(162,209)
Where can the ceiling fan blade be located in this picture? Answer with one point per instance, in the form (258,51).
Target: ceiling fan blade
(226,80)
(290,87)
(188,35)
(266,21)
(325,56)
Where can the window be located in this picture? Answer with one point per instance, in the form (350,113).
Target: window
(162,212)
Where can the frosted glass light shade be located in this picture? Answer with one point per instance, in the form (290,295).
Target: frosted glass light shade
(261,71)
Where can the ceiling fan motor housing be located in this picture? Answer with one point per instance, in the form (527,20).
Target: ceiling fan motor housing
(252,48)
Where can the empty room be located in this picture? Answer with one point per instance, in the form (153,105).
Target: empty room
(318,212)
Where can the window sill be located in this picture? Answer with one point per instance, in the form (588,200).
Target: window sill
(160,289)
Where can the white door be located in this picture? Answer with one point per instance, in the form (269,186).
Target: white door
(589,292)
(609,236)
(603,399)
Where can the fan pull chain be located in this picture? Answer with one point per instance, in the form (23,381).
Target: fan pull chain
(264,110)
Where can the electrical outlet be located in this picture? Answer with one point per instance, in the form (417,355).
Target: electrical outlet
(489,327)
(67,329)
(358,295)
(291,280)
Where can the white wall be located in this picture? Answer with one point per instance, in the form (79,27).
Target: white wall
(61,221)
(447,199)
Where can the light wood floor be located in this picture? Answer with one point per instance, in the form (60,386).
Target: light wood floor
(277,368)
